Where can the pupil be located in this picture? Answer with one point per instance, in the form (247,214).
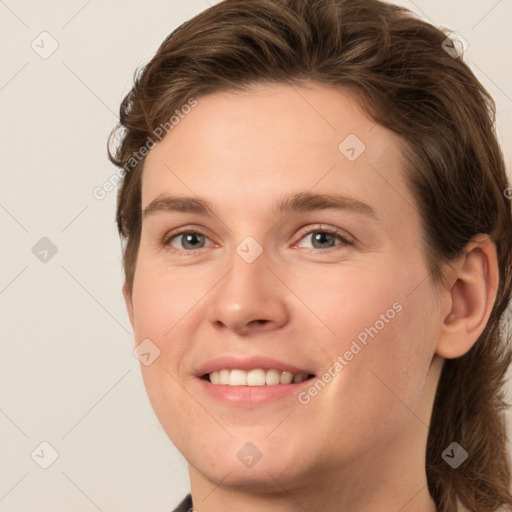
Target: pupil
(190,239)
(321,237)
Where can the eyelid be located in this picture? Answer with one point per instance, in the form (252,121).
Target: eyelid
(345,237)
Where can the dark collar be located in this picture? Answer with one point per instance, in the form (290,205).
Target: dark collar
(185,505)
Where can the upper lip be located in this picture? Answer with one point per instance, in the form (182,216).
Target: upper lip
(247,364)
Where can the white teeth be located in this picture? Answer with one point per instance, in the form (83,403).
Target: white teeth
(238,378)
(223,376)
(272,377)
(257,377)
(286,378)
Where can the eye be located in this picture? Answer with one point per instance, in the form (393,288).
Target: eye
(324,239)
(185,240)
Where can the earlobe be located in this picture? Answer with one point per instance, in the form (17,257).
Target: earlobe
(129,303)
(471,297)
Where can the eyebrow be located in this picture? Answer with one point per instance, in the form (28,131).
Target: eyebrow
(300,202)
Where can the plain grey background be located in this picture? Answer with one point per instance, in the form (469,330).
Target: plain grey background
(67,373)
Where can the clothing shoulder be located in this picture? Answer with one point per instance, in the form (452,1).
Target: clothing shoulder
(185,505)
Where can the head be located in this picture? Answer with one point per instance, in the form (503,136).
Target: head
(266,114)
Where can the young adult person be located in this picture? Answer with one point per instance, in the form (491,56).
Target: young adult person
(318,252)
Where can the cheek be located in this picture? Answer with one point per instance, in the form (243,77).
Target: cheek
(162,298)
(392,372)
(167,306)
(379,327)
(349,303)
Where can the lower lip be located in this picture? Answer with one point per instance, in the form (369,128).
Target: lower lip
(251,395)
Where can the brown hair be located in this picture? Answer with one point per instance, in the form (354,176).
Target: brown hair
(407,82)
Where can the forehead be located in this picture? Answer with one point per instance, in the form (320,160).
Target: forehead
(243,150)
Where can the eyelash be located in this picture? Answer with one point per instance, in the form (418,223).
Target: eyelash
(166,242)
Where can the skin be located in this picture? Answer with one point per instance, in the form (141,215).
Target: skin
(359,444)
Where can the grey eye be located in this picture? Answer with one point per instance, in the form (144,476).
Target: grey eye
(189,241)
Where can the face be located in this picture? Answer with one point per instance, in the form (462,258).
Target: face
(280,242)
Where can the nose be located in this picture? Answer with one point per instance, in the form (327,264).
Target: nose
(250,298)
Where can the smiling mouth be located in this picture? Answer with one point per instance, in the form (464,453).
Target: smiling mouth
(256,377)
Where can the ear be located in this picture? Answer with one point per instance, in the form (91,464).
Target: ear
(470,291)
(129,303)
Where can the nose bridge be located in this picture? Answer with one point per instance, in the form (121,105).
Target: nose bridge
(249,294)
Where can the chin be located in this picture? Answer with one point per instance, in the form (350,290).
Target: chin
(241,465)
(263,478)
